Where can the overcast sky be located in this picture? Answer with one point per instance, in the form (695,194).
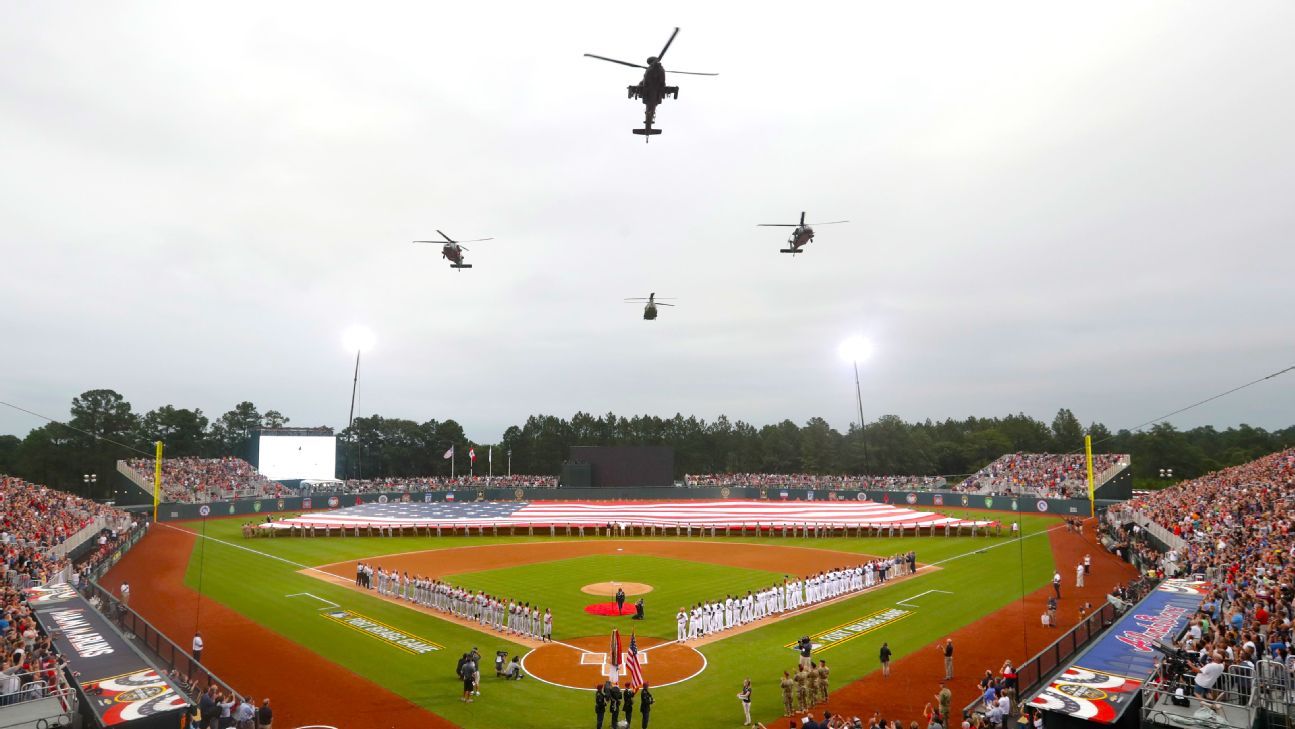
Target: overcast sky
(1051,205)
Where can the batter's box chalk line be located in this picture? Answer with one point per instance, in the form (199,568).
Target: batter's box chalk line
(906,601)
(600,659)
(330,603)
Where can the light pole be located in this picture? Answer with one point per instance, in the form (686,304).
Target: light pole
(89,480)
(510,461)
(357,339)
(855,350)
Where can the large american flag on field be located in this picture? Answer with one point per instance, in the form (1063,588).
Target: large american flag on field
(682,513)
(632,665)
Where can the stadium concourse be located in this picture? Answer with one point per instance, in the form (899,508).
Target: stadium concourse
(794,516)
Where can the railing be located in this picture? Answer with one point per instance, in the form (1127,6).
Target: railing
(1030,673)
(192,674)
(34,686)
(1231,703)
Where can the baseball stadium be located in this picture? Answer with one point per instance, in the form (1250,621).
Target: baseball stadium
(473,365)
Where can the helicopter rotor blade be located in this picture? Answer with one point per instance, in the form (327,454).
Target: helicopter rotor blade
(474,240)
(446,237)
(802,217)
(658,303)
(777,225)
(694,73)
(667,44)
(613,60)
(830,222)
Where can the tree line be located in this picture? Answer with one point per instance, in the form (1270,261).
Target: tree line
(102,427)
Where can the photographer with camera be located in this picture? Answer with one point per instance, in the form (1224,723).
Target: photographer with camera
(1207,676)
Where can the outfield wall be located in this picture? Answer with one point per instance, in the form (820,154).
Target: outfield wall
(923,499)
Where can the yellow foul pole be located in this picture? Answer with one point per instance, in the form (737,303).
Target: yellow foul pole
(157,478)
(1088,454)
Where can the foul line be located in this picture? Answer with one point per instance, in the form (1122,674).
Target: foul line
(329,575)
(317,597)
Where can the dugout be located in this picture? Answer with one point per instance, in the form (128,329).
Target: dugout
(621,466)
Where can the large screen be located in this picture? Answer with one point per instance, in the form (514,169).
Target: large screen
(291,457)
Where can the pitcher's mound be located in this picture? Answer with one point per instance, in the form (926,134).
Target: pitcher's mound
(610,588)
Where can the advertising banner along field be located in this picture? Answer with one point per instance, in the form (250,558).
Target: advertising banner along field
(1102,681)
(120,686)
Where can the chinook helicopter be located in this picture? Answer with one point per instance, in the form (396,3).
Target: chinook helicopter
(802,234)
(652,89)
(453,249)
(649,309)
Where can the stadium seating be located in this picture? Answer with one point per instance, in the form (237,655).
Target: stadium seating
(198,480)
(33,522)
(816,481)
(1049,475)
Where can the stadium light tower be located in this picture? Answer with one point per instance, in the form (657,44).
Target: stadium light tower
(855,350)
(359,340)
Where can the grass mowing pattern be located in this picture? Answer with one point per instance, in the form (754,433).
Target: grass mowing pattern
(256,586)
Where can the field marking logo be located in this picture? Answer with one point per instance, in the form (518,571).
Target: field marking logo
(849,631)
(391,636)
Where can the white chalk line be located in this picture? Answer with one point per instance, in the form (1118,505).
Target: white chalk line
(317,597)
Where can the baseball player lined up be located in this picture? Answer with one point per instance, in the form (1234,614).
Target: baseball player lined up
(706,618)
(505,615)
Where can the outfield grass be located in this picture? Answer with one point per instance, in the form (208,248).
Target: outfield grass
(979,576)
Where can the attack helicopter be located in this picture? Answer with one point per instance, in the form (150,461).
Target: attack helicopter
(802,234)
(453,249)
(649,309)
(652,90)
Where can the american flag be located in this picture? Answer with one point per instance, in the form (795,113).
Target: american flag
(632,665)
(694,512)
(614,657)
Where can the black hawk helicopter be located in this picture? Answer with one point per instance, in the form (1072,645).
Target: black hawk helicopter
(649,309)
(802,234)
(453,249)
(652,89)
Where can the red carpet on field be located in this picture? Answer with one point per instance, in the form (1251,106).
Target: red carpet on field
(609,609)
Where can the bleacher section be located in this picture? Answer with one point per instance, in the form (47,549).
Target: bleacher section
(203,480)
(1047,475)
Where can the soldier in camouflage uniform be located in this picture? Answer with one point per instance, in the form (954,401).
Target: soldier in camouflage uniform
(811,683)
(822,680)
(786,684)
(802,684)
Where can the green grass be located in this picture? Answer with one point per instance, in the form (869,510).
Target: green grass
(256,586)
(556,585)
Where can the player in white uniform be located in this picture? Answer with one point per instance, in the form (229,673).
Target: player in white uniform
(681,621)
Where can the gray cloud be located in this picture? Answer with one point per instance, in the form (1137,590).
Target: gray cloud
(1051,207)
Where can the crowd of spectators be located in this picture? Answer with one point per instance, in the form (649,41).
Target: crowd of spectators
(1048,475)
(1238,532)
(200,480)
(416,484)
(814,481)
(34,521)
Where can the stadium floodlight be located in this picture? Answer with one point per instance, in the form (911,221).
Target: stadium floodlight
(856,350)
(358,339)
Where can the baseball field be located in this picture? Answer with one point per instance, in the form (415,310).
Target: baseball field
(282,618)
